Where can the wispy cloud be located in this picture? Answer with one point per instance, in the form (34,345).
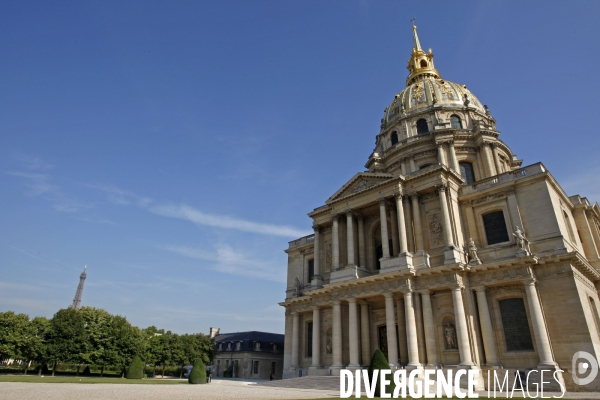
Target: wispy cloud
(38,183)
(229,261)
(198,217)
(188,213)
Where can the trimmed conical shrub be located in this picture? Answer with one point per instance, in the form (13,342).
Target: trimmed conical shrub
(198,374)
(136,369)
(379,362)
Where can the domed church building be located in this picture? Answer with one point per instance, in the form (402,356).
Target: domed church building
(446,252)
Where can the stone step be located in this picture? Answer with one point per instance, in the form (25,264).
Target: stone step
(306,382)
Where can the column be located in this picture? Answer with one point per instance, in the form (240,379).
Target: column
(390,322)
(441,155)
(337,335)
(353,334)
(394,222)
(487,162)
(385,246)
(487,331)
(497,164)
(365,333)
(420,331)
(417,220)
(335,244)
(445,215)
(411,332)
(403,346)
(295,339)
(401,224)
(452,156)
(413,167)
(429,329)
(316,338)
(539,327)
(317,252)
(362,259)
(595,228)
(462,333)
(350,238)
(403,166)
(408,224)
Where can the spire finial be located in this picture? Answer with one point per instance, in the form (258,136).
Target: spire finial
(417,45)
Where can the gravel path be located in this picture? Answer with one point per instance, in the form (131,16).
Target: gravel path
(218,389)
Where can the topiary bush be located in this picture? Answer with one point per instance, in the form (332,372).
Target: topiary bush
(198,374)
(136,369)
(379,362)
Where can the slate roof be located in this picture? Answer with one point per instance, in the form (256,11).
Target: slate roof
(268,342)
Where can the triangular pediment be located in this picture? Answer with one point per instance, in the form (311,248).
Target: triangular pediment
(359,183)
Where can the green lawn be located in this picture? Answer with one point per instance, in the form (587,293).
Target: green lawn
(74,379)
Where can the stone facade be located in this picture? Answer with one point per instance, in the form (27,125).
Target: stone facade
(476,261)
(255,355)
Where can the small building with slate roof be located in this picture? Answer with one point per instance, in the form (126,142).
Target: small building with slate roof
(249,354)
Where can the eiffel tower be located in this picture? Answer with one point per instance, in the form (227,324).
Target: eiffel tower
(79,292)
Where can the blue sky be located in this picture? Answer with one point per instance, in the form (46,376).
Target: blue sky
(176,147)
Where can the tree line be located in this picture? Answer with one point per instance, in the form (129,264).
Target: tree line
(92,336)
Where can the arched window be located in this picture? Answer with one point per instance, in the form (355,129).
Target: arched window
(423,64)
(425,166)
(466,171)
(456,122)
(394,138)
(495,227)
(422,126)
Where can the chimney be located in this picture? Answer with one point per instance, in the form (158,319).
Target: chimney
(213,332)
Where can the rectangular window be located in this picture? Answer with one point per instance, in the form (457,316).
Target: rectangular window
(311,269)
(515,325)
(495,227)
(309,337)
(255,369)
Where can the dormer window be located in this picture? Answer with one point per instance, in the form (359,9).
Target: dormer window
(423,64)
(394,138)
(456,122)
(422,126)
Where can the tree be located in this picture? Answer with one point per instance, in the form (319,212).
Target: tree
(14,331)
(379,362)
(125,342)
(153,346)
(38,348)
(97,325)
(67,338)
(136,369)
(198,374)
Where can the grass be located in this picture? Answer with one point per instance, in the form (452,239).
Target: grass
(75,379)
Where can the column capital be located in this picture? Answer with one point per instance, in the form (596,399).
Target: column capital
(336,302)
(479,289)
(351,300)
(413,195)
(349,212)
(441,187)
(382,201)
(316,308)
(486,143)
(440,145)
(450,142)
(294,313)
(316,228)
(363,302)
(398,194)
(529,281)
(335,217)
(424,291)
(388,295)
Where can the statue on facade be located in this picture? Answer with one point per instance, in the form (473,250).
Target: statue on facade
(328,346)
(297,287)
(450,337)
(522,243)
(472,251)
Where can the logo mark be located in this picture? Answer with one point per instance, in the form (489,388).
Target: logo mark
(581,368)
